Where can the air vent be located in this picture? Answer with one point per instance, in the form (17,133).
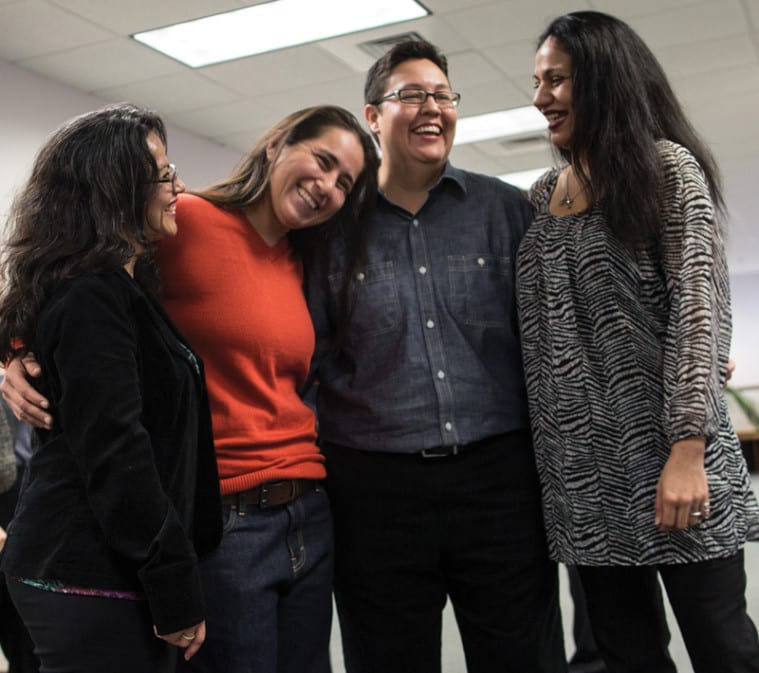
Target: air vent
(377,48)
(516,141)
(527,142)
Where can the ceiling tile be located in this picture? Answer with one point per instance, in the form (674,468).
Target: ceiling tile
(443,6)
(468,68)
(132,16)
(278,70)
(348,92)
(752,11)
(507,21)
(625,9)
(242,142)
(692,23)
(104,65)
(490,97)
(515,59)
(226,118)
(183,91)
(721,86)
(34,28)
(708,56)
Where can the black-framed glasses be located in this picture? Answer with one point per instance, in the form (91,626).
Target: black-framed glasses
(414,96)
(171,177)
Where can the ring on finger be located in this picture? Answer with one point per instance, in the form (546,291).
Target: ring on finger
(696,514)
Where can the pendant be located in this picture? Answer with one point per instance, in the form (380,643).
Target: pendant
(566,201)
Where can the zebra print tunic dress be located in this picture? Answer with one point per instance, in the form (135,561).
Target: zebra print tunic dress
(624,354)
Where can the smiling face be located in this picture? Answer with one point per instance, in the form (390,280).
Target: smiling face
(161,209)
(414,134)
(552,82)
(310,180)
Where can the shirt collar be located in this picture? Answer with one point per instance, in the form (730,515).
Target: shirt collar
(453,175)
(450,174)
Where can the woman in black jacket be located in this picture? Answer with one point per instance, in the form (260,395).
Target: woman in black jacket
(101,555)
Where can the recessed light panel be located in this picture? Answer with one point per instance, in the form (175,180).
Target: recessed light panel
(273,25)
(514,122)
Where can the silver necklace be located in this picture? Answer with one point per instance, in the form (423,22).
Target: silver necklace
(568,200)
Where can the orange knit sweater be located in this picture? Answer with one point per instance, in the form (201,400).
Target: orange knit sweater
(240,305)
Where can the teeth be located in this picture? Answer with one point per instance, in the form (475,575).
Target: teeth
(552,116)
(428,129)
(307,198)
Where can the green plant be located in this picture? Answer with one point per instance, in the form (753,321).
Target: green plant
(746,405)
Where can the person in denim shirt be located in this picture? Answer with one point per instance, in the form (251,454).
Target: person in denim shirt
(422,407)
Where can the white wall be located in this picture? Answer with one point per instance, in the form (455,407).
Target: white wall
(745,352)
(32,107)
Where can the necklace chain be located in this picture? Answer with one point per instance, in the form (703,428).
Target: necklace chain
(568,200)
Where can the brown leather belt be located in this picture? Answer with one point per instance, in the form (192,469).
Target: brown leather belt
(270,494)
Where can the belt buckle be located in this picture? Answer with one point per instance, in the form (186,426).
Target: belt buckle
(441,452)
(263,493)
(274,489)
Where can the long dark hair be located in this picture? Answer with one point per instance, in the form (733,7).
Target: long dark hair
(623,104)
(82,210)
(249,182)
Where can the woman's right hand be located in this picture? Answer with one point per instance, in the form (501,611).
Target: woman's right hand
(24,401)
(190,639)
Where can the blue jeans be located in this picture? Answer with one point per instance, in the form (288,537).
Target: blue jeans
(268,591)
(411,532)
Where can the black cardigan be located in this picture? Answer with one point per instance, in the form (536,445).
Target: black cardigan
(123,491)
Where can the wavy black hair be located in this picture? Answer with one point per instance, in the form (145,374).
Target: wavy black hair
(623,104)
(83,209)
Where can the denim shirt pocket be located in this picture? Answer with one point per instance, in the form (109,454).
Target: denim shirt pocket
(481,289)
(377,309)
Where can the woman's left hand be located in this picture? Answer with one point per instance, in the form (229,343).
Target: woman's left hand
(682,494)
(189,639)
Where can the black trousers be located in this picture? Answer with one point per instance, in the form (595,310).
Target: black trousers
(707,598)
(413,532)
(586,650)
(90,634)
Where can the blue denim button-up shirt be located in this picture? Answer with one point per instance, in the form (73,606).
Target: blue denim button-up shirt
(432,355)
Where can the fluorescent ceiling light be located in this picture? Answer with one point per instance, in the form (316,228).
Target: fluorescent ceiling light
(515,122)
(273,25)
(523,179)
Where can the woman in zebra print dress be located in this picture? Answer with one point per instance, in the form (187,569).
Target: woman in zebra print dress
(625,315)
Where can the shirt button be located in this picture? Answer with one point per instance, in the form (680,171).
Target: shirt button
(416,222)
(449,426)
(422,270)
(480,261)
(430,324)
(441,374)
(360,275)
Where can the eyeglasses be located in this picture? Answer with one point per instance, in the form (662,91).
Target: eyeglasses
(444,99)
(171,177)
